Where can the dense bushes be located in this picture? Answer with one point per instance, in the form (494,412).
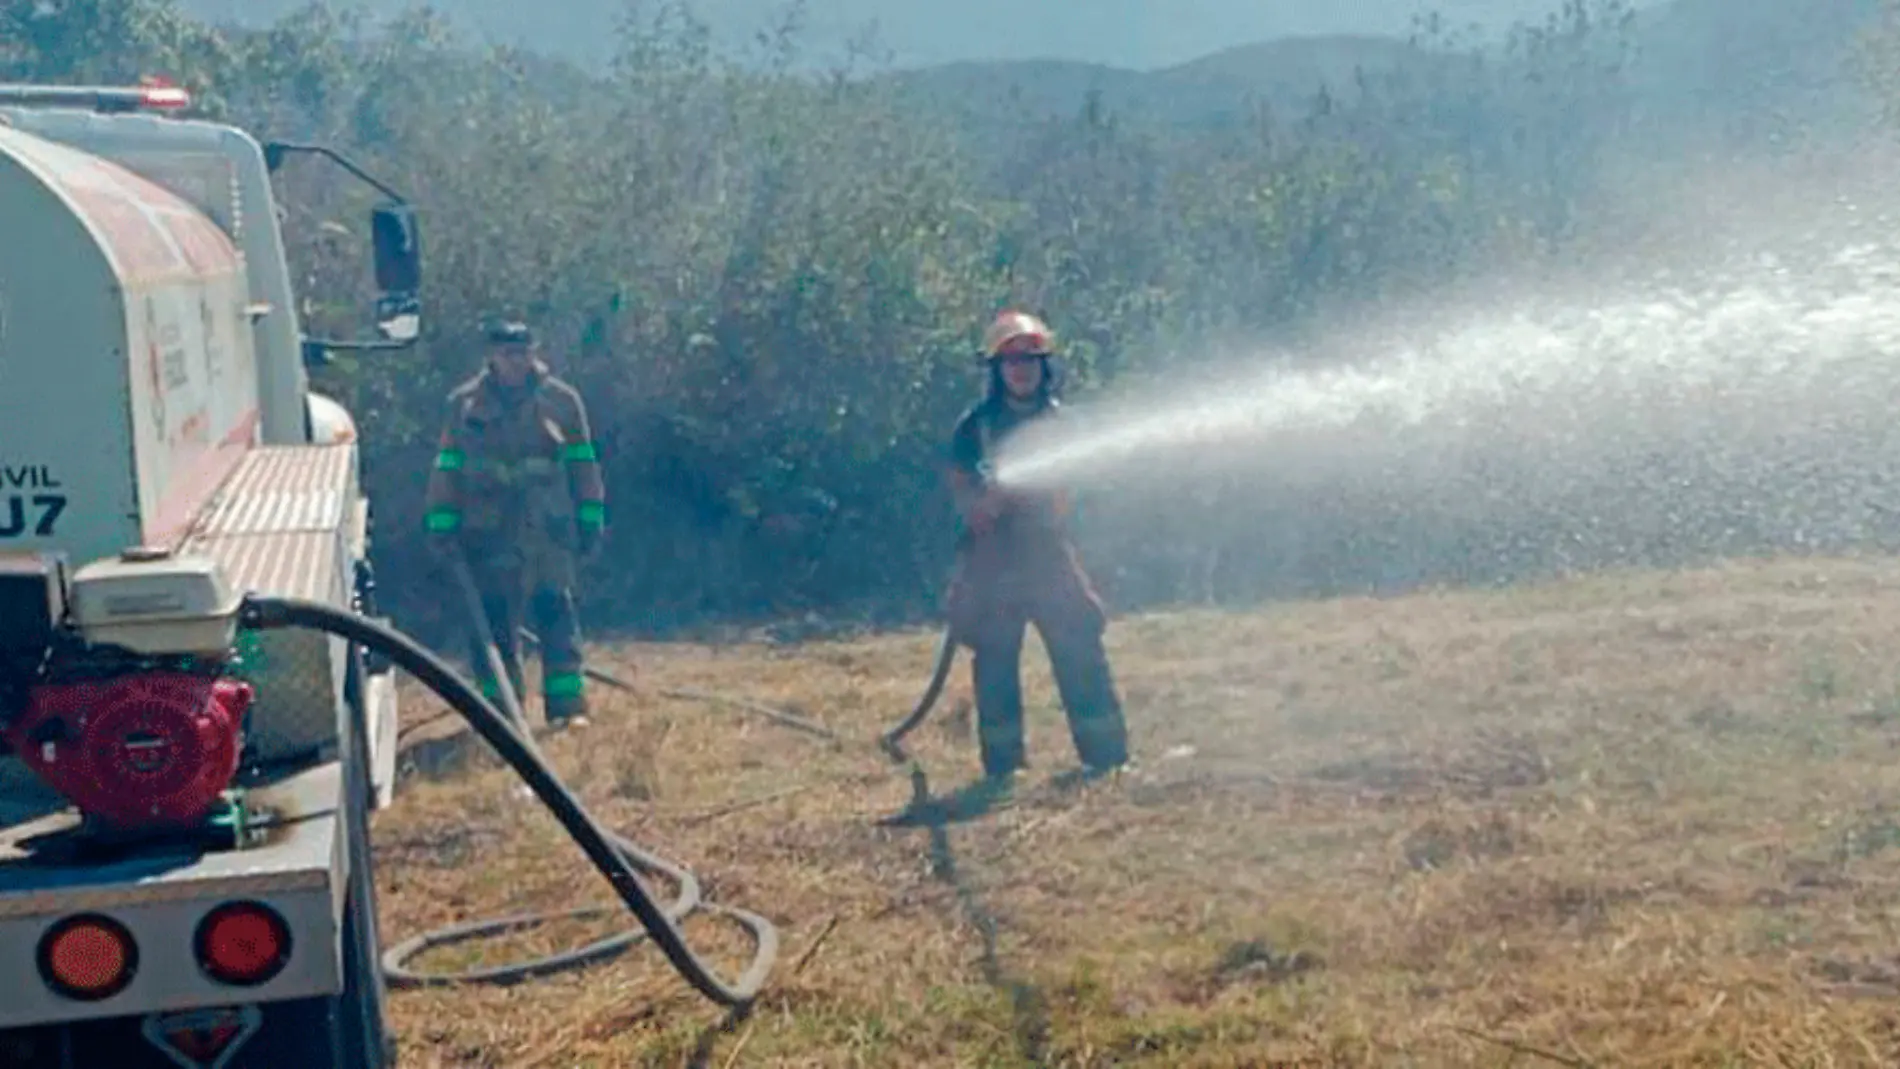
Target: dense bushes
(769,286)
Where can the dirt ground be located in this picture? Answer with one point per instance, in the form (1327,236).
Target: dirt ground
(1626,821)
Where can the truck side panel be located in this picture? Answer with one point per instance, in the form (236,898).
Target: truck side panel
(220,171)
(185,361)
(66,479)
(193,389)
(193,379)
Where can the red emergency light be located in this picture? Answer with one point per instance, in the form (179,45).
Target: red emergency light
(155,95)
(165,96)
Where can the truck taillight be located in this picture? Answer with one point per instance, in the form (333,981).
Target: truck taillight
(88,958)
(243,944)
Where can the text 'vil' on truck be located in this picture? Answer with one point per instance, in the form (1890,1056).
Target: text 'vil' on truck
(184,803)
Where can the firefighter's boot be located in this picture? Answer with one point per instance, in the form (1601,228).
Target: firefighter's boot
(563,674)
(1087,687)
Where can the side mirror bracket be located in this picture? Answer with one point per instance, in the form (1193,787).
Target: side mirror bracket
(395,236)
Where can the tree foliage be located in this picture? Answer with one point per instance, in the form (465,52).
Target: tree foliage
(769,286)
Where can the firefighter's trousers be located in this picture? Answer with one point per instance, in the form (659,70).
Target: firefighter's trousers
(513,592)
(996,594)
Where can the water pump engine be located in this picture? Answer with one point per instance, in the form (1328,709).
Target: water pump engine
(125,705)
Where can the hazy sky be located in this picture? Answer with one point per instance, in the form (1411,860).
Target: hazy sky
(1138,33)
(1127,33)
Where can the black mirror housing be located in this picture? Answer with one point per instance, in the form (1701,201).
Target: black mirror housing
(398,249)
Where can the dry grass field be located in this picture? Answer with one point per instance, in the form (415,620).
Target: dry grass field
(1631,820)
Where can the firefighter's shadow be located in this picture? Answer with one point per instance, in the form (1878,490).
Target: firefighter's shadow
(1027,1001)
(973,801)
(440,758)
(970,802)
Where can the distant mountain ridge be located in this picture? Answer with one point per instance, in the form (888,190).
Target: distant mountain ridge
(1741,69)
(1762,70)
(1212,90)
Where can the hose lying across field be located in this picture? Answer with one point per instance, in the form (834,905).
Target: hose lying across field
(777,716)
(620,860)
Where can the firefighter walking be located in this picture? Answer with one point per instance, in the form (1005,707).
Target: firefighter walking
(1017,565)
(517,490)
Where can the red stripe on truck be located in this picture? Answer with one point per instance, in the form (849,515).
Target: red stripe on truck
(134,241)
(180,505)
(150,233)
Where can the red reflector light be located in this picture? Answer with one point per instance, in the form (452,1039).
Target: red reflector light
(243,944)
(88,957)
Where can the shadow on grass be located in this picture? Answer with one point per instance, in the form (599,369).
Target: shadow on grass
(936,815)
(708,1041)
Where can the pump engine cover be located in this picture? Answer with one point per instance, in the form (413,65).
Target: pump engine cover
(151,750)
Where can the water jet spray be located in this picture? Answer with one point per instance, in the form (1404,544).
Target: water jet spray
(1740,408)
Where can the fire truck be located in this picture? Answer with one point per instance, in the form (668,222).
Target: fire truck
(184,865)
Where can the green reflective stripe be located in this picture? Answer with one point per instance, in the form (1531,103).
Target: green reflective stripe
(563,685)
(593,513)
(577,452)
(450,460)
(491,689)
(442,520)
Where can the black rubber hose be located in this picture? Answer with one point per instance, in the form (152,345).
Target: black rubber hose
(396,959)
(687,694)
(891,742)
(478,619)
(616,860)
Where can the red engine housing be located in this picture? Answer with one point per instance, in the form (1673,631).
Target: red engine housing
(146,751)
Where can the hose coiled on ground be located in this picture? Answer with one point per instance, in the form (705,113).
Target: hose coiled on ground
(618,859)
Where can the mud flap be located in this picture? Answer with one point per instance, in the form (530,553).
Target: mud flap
(202,1039)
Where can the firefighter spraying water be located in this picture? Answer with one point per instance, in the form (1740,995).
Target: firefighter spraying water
(1017,565)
